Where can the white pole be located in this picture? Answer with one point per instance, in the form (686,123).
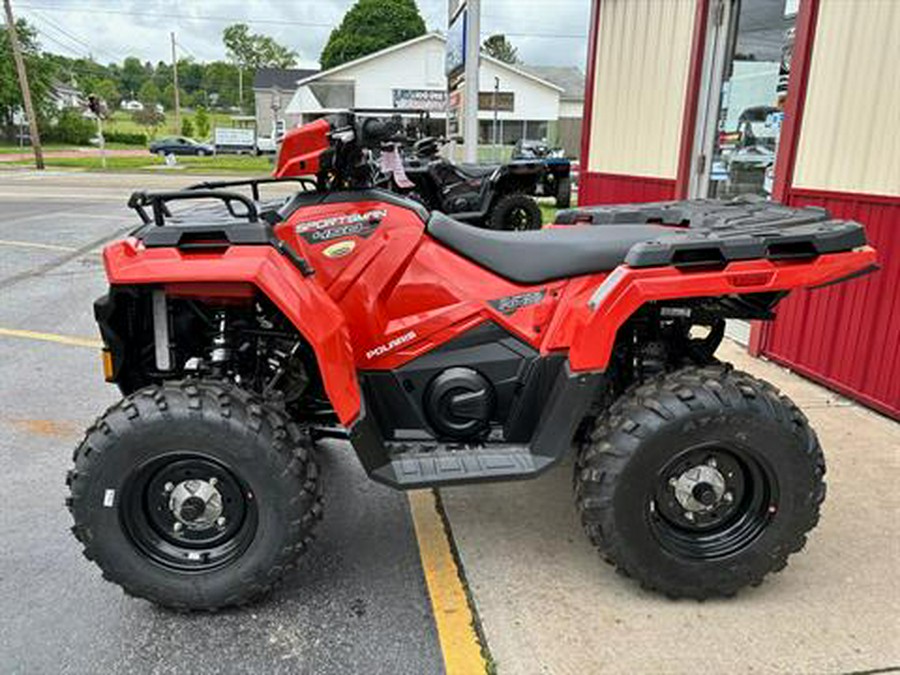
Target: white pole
(473,58)
(102,141)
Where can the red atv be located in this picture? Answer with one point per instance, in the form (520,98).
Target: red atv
(447,355)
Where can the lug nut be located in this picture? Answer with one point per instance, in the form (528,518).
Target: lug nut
(220,521)
(711,462)
(213,481)
(728,497)
(168,487)
(689,515)
(673,482)
(177,527)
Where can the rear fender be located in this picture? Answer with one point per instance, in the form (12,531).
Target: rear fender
(590,326)
(303,302)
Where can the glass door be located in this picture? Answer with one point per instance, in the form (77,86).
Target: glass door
(747,66)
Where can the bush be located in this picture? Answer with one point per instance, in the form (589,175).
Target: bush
(70,127)
(187,127)
(124,138)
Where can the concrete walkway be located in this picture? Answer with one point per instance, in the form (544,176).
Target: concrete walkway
(549,604)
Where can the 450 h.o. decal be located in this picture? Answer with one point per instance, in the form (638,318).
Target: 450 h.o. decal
(352,225)
(509,304)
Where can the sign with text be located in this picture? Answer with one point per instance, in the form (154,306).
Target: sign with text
(455,57)
(434,100)
(505,101)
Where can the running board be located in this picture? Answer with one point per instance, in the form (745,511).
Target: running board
(470,465)
(407,465)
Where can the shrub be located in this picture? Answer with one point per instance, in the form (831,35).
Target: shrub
(70,127)
(187,127)
(125,138)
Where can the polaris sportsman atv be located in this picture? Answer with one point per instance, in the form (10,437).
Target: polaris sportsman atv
(447,355)
(492,196)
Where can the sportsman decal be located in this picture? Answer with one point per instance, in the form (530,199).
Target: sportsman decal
(511,303)
(351,225)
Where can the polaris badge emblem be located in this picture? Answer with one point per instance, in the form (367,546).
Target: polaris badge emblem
(335,227)
(511,303)
(393,344)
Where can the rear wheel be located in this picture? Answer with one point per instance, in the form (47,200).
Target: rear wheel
(194,495)
(515,212)
(700,482)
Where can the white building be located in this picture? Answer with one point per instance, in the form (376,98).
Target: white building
(411,75)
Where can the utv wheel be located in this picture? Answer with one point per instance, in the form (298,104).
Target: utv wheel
(700,482)
(564,193)
(194,495)
(515,212)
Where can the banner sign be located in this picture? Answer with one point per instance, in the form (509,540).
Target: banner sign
(434,100)
(455,57)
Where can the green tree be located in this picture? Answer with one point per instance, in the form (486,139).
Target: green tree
(201,122)
(108,91)
(501,48)
(40,75)
(168,96)
(149,94)
(253,50)
(187,127)
(133,76)
(150,119)
(370,26)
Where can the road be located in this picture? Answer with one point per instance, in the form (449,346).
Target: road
(357,603)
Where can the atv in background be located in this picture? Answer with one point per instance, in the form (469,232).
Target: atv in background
(445,354)
(495,196)
(557,178)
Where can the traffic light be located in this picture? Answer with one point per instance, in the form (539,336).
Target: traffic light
(96,106)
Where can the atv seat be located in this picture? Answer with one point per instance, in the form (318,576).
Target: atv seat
(476,170)
(536,256)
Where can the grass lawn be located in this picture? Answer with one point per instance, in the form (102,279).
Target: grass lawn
(6,149)
(121,122)
(217,164)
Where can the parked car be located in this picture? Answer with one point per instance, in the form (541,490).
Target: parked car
(180,145)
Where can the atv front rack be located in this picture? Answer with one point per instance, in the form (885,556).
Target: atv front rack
(707,232)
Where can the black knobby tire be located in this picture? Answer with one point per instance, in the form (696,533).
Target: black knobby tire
(266,477)
(515,212)
(564,193)
(628,474)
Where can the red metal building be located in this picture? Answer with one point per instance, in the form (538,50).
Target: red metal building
(795,100)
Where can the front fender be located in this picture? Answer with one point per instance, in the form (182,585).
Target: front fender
(306,305)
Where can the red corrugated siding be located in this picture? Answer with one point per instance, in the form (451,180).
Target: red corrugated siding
(848,336)
(608,188)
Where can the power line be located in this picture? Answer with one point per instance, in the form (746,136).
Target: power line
(188,17)
(74,38)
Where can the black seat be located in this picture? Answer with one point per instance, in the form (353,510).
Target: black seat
(536,256)
(476,170)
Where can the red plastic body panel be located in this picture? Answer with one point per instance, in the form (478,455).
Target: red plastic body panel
(384,292)
(303,302)
(302,149)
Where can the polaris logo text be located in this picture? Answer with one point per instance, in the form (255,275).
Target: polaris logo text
(393,344)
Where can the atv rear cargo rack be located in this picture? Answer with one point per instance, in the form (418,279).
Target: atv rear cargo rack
(709,232)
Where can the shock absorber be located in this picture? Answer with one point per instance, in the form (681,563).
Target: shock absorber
(221,352)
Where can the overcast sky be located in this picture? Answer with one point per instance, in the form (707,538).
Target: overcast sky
(546,32)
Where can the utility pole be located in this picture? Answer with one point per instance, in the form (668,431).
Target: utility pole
(175,77)
(23,83)
(473,61)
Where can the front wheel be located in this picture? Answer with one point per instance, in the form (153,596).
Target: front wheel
(515,212)
(700,482)
(194,495)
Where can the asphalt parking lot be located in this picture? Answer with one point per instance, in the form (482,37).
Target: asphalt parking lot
(357,603)
(368,597)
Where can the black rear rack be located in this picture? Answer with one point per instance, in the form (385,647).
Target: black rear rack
(211,190)
(710,232)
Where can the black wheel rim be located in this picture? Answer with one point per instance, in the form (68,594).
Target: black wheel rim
(518,219)
(693,516)
(196,537)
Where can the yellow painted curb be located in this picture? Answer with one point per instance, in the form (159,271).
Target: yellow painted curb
(52,337)
(452,615)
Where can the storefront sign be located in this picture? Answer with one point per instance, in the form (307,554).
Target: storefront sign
(455,57)
(505,100)
(434,100)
